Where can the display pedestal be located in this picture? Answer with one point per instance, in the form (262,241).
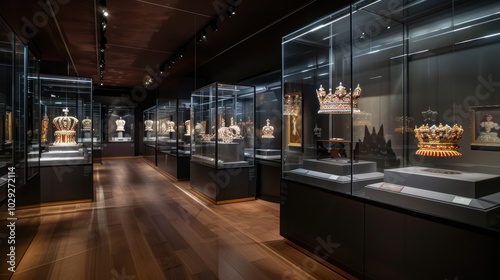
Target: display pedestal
(121,139)
(120,134)
(66,175)
(268,154)
(223,185)
(64,155)
(462,196)
(335,174)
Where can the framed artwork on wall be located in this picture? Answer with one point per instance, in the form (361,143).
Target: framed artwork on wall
(485,127)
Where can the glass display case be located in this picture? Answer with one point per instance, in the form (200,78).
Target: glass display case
(389,114)
(268,104)
(222,141)
(19,140)
(151,126)
(174,136)
(66,138)
(120,124)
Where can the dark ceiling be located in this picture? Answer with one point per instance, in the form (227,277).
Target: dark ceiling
(144,36)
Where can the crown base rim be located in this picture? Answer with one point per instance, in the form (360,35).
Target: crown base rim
(437,153)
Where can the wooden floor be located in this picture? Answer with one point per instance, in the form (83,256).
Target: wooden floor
(144,226)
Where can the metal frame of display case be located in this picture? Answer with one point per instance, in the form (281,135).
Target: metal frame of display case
(150,134)
(174,138)
(381,200)
(268,105)
(222,148)
(96,133)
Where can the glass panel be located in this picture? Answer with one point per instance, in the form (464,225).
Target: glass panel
(19,114)
(318,100)
(34,118)
(224,130)
(97,132)
(150,127)
(203,125)
(184,127)
(66,107)
(6,112)
(268,104)
(378,62)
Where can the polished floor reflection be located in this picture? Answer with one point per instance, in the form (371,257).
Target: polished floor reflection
(144,226)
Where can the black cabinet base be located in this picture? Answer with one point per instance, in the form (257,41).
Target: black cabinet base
(178,167)
(223,185)
(59,184)
(268,180)
(370,240)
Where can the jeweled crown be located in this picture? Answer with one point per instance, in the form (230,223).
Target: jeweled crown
(65,122)
(86,124)
(338,102)
(438,141)
(65,129)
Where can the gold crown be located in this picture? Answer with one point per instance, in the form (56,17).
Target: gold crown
(86,124)
(65,129)
(438,141)
(338,102)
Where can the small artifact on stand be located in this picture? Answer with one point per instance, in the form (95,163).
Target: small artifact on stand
(65,129)
(268,130)
(45,128)
(120,126)
(235,129)
(170,126)
(86,124)
(148,125)
(188,128)
(86,128)
(437,140)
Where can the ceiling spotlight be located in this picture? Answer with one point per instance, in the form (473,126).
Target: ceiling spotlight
(102,83)
(105,13)
(231,11)
(199,37)
(213,24)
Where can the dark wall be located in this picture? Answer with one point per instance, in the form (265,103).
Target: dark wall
(261,53)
